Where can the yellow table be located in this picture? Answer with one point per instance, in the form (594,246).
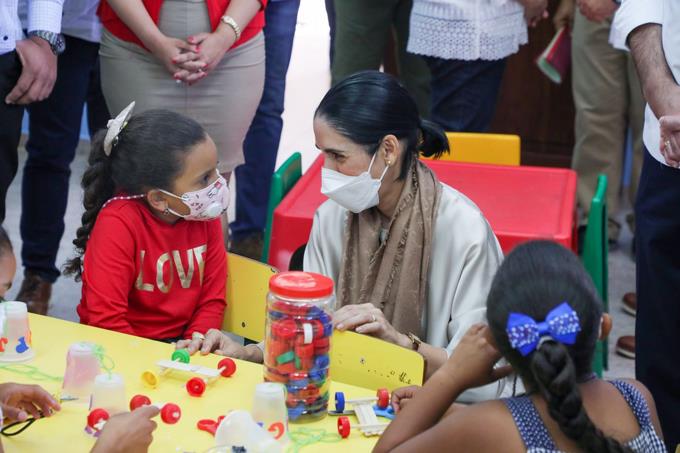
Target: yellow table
(132,355)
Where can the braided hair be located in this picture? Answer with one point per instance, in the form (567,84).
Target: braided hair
(534,279)
(148,154)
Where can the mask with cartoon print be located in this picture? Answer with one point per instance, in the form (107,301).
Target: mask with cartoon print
(204,204)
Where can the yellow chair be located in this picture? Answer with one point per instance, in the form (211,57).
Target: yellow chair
(247,287)
(498,149)
(372,363)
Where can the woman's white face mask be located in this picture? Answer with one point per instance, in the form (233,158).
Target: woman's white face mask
(354,193)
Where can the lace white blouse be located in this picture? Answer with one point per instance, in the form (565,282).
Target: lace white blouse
(467,29)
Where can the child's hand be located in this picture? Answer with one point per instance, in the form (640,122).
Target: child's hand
(218,343)
(18,401)
(472,362)
(402,396)
(130,432)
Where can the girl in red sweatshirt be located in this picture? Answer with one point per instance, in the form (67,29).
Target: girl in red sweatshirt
(150,251)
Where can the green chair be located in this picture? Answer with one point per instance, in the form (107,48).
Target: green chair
(594,256)
(283,180)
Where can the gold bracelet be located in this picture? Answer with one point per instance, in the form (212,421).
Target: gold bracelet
(234,26)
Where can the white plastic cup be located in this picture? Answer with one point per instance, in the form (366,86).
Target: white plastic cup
(108,393)
(82,367)
(15,342)
(269,409)
(238,429)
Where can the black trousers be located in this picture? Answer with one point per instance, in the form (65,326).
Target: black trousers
(657,329)
(10,125)
(54,132)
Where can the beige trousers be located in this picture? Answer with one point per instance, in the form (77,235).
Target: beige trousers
(224,102)
(608,100)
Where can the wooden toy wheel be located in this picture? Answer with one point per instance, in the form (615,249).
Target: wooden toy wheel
(343,427)
(229,367)
(139,401)
(339,402)
(97,416)
(195,386)
(383,398)
(150,379)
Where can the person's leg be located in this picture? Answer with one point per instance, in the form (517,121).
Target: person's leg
(636,121)
(361,32)
(657,327)
(464,93)
(253,179)
(413,69)
(600,87)
(54,131)
(330,11)
(10,129)
(97,112)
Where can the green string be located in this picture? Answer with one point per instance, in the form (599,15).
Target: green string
(30,371)
(304,437)
(105,362)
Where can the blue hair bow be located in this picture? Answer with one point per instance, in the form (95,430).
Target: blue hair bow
(561,325)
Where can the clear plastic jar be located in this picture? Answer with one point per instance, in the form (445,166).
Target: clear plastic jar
(298,340)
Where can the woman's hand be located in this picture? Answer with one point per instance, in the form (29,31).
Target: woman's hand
(472,361)
(168,51)
(402,396)
(218,343)
(369,320)
(597,10)
(564,16)
(129,432)
(18,401)
(211,49)
(535,11)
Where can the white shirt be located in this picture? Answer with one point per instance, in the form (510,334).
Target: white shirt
(631,15)
(467,29)
(42,15)
(465,257)
(79,20)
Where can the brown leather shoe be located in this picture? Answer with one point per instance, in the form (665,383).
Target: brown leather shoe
(36,292)
(625,346)
(629,303)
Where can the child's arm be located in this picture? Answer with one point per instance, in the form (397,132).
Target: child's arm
(210,308)
(108,275)
(418,426)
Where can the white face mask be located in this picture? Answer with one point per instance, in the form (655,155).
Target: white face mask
(354,193)
(205,204)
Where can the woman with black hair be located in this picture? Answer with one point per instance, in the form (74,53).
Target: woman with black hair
(544,317)
(411,257)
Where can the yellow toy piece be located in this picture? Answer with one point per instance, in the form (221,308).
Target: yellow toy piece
(477,148)
(150,379)
(247,288)
(372,363)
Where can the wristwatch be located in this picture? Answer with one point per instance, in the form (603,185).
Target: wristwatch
(55,40)
(415,341)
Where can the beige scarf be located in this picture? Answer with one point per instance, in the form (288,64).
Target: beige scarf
(392,274)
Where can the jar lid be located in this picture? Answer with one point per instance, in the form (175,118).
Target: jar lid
(301,285)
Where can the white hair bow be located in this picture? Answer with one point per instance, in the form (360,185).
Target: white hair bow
(114,126)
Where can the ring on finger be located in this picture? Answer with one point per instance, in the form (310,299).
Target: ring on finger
(197,336)
(373,318)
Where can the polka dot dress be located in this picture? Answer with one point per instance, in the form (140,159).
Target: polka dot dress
(537,439)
